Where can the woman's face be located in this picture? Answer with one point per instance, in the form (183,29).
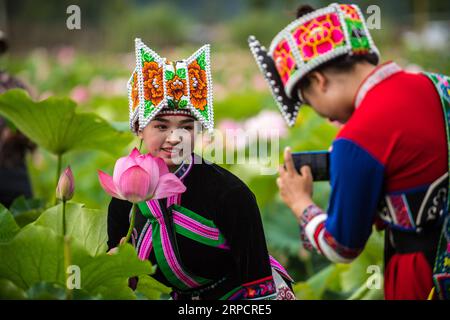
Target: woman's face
(330,97)
(170,137)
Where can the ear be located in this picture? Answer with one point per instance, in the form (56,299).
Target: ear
(318,81)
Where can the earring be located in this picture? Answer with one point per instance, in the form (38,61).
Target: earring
(140,145)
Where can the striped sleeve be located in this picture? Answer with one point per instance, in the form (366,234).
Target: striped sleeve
(341,233)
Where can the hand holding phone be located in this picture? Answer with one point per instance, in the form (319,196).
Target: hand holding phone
(318,161)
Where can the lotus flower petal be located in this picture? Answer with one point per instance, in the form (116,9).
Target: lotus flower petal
(66,185)
(148,163)
(123,164)
(169,185)
(134,153)
(108,185)
(141,177)
(134,184)
(163,169)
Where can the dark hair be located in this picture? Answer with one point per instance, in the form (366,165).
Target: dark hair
(3,42)
(13,143)
(344,63)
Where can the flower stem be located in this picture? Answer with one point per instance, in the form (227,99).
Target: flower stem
(67,251)
(130,229)
(58,173)
(64,218)
(67,264)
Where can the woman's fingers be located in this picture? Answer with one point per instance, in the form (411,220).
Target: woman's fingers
(306,172)
(288,161)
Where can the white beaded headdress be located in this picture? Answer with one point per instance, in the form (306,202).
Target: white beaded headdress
(307,43)
(158,86)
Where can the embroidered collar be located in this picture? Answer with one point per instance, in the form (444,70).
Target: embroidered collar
(378,75)
(185,167)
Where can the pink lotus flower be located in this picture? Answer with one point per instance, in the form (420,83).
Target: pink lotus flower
(66,185)
(268,124)
(140,177)
(79,94)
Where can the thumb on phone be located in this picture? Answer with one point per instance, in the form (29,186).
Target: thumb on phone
(305,171)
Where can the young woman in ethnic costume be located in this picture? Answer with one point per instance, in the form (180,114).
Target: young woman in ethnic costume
(208,242)
(389,162)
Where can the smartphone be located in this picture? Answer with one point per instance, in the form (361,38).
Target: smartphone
(318,161)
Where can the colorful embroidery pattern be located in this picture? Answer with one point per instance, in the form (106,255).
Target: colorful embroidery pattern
(401,211)
(199,86)
(153,82)
(441,271)
(343,251)
(350,12)
(177,91)
(356,29)
(307,43)
(285,293)
(261,289)
(319,36)
(134,92)
(183,87)
(150,86)
(309,213)
(444,86)
(133,96)
(276,71)
(318,232)
(284,60)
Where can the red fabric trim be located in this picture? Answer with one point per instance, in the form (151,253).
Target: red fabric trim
(319,228)
(367,77)
(258,281)
(347,253)
(175,114)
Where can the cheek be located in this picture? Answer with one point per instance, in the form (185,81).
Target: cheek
(337,105)
(153,142)
(319,104)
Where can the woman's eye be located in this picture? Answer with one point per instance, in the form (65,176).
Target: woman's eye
(161,127)
(188,128)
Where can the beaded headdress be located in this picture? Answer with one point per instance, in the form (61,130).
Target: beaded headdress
(158,86)
(305,44)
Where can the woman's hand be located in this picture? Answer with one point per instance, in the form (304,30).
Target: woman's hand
(295,189)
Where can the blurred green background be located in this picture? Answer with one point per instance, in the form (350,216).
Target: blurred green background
(92,66)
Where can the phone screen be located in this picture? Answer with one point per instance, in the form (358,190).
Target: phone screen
(318,161)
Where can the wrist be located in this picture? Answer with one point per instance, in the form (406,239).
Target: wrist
(300,206)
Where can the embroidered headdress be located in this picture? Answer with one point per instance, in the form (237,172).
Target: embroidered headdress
(307,43)
(159,86)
